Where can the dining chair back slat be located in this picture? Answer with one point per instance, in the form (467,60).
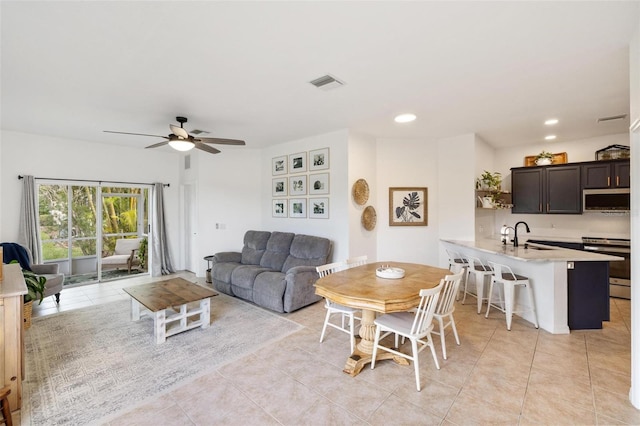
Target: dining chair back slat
(445,308)
(422,322)
(330,268)
(345,312)
(357,261)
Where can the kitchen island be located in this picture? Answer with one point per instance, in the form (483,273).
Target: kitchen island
(555,273)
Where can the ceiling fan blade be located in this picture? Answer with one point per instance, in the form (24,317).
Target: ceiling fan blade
(135,134)
(155,145)
(207,148)
(179,131)
(222,141)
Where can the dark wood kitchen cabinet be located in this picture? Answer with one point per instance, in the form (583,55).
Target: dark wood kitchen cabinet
(606,174)
(588,294)
(546,189)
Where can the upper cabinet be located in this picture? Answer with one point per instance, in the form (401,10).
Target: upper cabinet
(527,184)
(606,174)
(553,190)
(557,189)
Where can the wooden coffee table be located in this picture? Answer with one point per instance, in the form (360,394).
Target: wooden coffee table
(174,294)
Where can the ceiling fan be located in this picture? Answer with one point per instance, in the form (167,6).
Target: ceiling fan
(180,140)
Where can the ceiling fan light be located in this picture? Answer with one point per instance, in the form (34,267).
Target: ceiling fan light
(181,145)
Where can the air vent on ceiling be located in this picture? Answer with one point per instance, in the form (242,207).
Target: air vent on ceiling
(327,82)
(199,132)
(612,118)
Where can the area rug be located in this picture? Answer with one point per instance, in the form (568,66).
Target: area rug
(86,364)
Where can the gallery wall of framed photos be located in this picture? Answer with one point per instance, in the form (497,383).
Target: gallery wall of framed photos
(300,184)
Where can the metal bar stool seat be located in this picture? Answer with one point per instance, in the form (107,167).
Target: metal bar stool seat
(503,274)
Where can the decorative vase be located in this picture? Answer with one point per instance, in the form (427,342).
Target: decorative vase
(543,161)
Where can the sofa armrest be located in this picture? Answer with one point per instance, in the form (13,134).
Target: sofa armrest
(227,256)
(42,269)
(300,291)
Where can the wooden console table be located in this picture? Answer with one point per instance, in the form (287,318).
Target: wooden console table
(12,288)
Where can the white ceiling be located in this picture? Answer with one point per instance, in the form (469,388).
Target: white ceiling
(241,69)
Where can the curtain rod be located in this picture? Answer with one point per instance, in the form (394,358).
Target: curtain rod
(99,181)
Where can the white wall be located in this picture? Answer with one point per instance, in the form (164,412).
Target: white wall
(44,156)
(229,199)
(336,228)
(407,163)
(362,165)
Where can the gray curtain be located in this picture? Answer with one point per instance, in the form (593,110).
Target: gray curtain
(29,232)
(161,255)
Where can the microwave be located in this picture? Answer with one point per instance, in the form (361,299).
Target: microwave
(606,200)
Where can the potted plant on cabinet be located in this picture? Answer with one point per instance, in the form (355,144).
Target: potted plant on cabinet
(544,158)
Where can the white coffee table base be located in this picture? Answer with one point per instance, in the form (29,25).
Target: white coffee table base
(178,320)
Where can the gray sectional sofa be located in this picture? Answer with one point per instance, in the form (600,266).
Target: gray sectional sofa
(275,270)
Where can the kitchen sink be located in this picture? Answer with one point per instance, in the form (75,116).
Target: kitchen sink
(530,247)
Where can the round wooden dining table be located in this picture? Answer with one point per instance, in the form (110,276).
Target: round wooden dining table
(361,288)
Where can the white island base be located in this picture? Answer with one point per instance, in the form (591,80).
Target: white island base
(546,270)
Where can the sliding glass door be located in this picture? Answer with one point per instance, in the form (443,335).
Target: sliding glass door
(79,221)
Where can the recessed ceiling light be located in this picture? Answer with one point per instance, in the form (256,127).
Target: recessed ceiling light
(551,121)
(405,118)
(550,137)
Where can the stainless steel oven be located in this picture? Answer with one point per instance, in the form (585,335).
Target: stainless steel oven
(619,271)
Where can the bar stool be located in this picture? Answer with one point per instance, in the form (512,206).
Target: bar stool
(504,275)
(6,410)
(480,271)
(458,263)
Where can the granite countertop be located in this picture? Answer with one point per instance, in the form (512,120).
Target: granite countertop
(534,252)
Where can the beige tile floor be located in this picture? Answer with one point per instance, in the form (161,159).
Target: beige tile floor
(523,376)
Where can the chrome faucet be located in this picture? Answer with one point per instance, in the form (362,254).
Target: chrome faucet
(515,232)
(504,234)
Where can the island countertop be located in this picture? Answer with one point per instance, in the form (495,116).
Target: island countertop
(533,252)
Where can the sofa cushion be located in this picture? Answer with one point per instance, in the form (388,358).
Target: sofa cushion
(268,290)
(255,244)
(277,251)
(307,250)
(242,279)
(222,271)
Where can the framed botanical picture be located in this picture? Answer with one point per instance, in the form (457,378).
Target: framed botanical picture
(279,165)
(298,162)
(297,185)
(279,188)
(319,159)
(279,207)
(319,184)
(319,208)
(408,207)
(298,207)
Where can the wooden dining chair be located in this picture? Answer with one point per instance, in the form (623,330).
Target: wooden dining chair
(415,326)
(333,308)
(443,314)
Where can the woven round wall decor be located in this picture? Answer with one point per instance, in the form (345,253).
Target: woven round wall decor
(361,191)
(369,218)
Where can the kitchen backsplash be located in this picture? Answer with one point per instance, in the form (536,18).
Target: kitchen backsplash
(612,225)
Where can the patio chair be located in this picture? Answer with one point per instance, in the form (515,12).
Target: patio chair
(124,255)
